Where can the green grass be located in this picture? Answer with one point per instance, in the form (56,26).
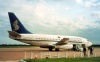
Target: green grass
(92,59)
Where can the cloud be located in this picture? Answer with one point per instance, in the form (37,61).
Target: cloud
(96,14)
(89,3)
(67,8)
(43,11)
(87,23)
(79,1)
(46,15)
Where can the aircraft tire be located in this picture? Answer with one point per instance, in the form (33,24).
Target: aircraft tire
(57,49)
(50,48)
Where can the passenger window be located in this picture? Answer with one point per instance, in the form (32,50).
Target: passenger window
(58,36)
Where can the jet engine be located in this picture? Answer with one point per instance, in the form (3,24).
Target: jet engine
(68,46)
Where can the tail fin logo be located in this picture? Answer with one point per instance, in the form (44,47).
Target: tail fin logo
(15,24)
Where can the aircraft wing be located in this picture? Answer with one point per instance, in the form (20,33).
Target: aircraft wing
(63,41)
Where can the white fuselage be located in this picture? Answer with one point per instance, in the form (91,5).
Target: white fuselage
(44,39)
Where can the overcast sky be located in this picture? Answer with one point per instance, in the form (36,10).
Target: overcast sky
(58,17)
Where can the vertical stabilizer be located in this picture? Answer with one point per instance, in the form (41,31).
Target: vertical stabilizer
(16,25)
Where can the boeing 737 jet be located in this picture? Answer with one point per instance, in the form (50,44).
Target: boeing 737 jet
(20,33)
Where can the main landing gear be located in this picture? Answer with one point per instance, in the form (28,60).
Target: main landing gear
(51,48)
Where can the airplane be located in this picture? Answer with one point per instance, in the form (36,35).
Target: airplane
(57,42)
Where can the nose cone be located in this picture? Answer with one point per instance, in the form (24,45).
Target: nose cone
(90,44)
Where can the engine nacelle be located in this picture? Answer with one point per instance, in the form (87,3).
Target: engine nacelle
(69,46)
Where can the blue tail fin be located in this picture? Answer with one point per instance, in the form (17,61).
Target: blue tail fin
(16,25)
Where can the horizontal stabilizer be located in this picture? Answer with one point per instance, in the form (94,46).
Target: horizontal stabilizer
(14,34)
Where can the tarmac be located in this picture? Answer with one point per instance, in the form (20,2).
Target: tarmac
(17,54)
